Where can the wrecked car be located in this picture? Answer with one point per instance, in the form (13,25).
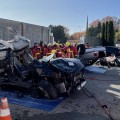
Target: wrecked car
(90,55)
(45,78)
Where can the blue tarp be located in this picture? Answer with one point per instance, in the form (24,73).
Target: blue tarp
(28,101)
(96,69)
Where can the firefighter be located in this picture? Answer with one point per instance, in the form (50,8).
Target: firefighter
(81,49)
(49,49)
(34,49)
(70,53)
(74,49)
(38,52)
(45,50)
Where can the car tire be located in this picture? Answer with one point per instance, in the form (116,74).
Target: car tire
(44,89)
(117,63)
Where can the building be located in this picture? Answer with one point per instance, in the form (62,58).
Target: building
(82,38)
(33,32)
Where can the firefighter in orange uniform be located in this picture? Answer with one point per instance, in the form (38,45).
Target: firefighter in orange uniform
(34,49)
(74,49)
(70,53)
(46,50)
(37,53)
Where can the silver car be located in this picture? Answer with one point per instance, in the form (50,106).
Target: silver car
(91,55)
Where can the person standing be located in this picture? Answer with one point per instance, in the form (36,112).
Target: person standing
(81,49)
(87,45)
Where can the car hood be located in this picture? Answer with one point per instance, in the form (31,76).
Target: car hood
(68,65)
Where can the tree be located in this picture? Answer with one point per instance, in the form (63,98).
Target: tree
(106,32)
(103,35)
(77,35)
(99,30)
(66,31)
(91,31)
(117,36)
(60,33)
(94,23)
(111,34)
(111,18)
(95,29)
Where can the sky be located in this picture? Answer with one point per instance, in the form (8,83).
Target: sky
(69,13)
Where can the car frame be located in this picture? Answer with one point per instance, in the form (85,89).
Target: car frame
(91,55)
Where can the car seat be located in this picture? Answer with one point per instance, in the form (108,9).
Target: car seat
(21,69)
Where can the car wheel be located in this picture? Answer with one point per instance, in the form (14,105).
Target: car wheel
(44,89)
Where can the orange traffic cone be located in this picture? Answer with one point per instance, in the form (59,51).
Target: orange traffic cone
(4,110)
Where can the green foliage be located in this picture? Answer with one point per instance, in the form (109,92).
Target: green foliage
(105,29)
(99,29)
(91,31)
(60,33)
(117,36)
(94,31)
(103,35)
(108,34)
(111,34)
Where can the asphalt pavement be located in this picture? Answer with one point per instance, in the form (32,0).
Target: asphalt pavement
(105,86)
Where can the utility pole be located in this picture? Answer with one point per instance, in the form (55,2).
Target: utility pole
(87,38)
(87,26)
